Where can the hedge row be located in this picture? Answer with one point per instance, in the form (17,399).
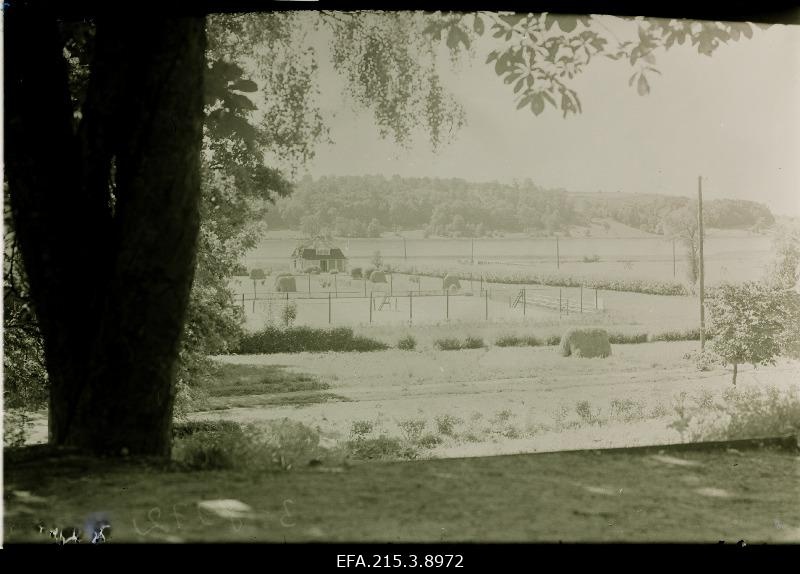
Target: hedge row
(298,339)
(632,285)
(614,338)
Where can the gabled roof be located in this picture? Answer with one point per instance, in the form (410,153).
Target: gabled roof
(309,249)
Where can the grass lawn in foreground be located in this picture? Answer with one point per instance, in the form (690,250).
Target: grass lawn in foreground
(618,495)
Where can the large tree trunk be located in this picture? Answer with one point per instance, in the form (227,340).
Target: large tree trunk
(107,218)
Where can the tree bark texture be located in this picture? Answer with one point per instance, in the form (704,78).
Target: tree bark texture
(107,218)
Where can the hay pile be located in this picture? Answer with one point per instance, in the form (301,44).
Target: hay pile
(585,343)
(377,277)
(285,284)
(451,283)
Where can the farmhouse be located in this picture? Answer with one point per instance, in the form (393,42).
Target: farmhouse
(318,252)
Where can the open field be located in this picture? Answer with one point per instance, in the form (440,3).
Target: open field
(502,400)
(732,256)
(639,496)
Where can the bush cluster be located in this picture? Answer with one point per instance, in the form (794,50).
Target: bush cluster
(272,339)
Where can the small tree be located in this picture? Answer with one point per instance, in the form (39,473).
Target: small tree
(289,314)
(377,260)
(753,323)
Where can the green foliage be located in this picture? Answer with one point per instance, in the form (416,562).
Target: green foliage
(289,314)
(25,380)
(589,342)
(257,274)
(407,343)
(273,446)
(527,278)
(458,208)
(553,340)
(355,273)
(541,60)
(784,269)
(739,414)
(473,343)
(753,322)
(446,424)
(591,259)
(299,339)
(515,341)
(453,344)
(377,260)
(412,429)
(16,428)
(627,339)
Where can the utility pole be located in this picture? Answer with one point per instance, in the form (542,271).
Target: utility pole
(702,264)
(472,257)
(405,253)
(558,256)
(674,264)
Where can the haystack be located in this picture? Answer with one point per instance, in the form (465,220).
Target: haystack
(451,283)
(285,284)
(377,277)
(585,343)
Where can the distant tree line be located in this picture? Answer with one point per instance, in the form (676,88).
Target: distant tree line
(366,206)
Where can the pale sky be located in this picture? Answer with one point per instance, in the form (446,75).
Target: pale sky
(732,118)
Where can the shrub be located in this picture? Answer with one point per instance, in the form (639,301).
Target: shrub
(273,339)
(591,259)
(407,343)
(412,428)
(740,414)
(276,445)
(360,429)
(447,344)
(451,282)
(429,440)
(515,341)
(474,343)
(381,447)
(289,314)
(285,284)
(625,339)
(355,273)
(585,343)
(686,335)
(445,424)
(368,271)
(257,274)
(553,340)
(627,409)
(16,427)
(584,410)
(377,277)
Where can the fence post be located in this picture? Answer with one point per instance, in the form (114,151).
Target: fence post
(595,298)
(486,301)
(309,282)
(447,304)
(524,302)
(370,306)
(329,307)
(242,300)
(581,298)
(410,305)
(365,287)
(559,301)
(567,305)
